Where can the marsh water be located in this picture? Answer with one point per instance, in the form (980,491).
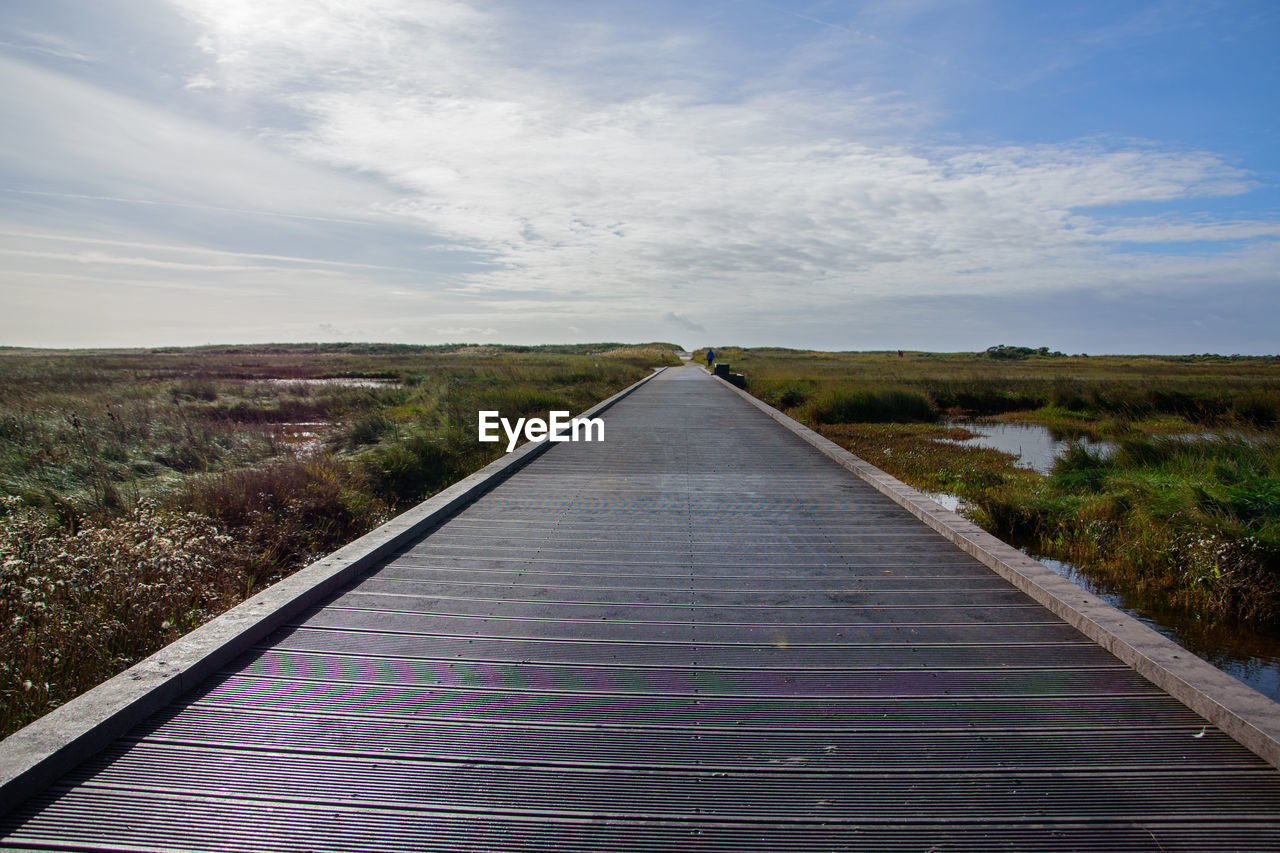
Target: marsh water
(1035,446)
(337,381)
(1251,657)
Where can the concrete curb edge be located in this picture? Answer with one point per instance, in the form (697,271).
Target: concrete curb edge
(36,755)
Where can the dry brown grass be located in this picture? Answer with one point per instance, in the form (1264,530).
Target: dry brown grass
(75,606)
(146,491)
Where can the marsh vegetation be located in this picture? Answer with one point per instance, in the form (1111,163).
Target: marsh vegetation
(146,491)
(1181,506)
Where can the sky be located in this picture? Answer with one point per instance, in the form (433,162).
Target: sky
(949,175)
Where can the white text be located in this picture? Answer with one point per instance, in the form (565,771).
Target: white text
(560,428)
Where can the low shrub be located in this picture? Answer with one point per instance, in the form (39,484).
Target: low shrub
(839,406)
(77,607)
(368,428)
(289,513)
(1257,407)
(407,470)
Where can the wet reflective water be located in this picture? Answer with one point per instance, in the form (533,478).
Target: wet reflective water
(1250,657)
(339,381)
(1035,446)
(945,500)
(304,438)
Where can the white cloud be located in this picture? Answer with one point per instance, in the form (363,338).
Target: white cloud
(45,44)
(683,322)
(73,137)
(121,205)
(468,332)
(1166,230)
(566,174)
(214,259)
(568,192)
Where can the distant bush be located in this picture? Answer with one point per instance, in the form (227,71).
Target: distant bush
(839,406)
(985,398)
(1008,353)
(1258,407)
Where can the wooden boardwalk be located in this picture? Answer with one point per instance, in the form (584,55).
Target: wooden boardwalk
(701,634)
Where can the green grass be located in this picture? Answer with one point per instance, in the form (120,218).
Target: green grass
(146,491)
(1185,513)
(890,405)
(1182,391)
(1196,521)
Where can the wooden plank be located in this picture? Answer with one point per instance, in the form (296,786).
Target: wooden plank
(698,634)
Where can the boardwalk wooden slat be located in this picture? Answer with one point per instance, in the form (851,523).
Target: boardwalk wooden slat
(701,633)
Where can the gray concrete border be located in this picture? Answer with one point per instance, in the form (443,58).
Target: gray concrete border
(1237,709)
(33,757)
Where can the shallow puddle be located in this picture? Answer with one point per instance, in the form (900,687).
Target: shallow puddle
(1035,446)
(946,501)
(304,439)
(338,381)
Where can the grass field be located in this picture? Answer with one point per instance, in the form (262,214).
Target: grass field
(145,491)
(1184,512)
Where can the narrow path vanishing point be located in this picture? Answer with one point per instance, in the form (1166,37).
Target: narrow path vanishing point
(699,634)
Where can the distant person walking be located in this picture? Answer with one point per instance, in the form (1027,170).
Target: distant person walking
(711,354)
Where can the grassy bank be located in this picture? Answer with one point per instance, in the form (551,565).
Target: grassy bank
(146,491)
(1185,511)
(1111,394)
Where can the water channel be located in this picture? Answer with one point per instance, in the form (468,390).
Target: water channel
(1251,657)
(1035,446)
